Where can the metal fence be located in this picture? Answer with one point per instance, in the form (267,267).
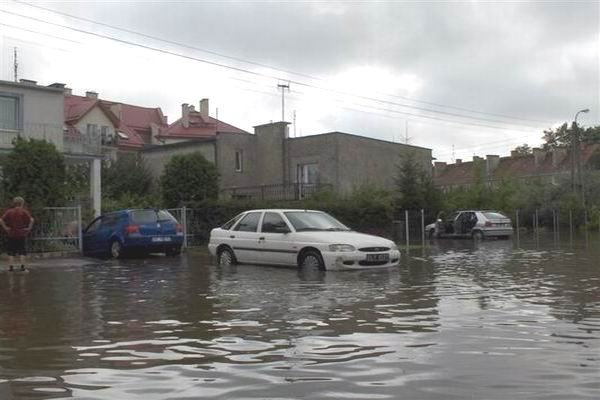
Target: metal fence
(56,229)
(66,140)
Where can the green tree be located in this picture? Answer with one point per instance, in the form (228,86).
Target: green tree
(188,178)
(523,149)
(35,170)
(415,188)
(562,136)
(127,176)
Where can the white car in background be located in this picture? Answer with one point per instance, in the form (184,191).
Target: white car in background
(303,238)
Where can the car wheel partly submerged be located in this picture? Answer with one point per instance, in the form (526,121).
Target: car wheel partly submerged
(312,260)
(116,249)
(226,257)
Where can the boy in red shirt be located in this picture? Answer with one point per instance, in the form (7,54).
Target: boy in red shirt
(17,222)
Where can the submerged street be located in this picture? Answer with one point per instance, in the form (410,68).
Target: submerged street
(459,320)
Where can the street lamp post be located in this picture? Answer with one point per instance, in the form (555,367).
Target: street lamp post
(575,151)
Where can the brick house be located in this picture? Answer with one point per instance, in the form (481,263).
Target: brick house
(541,165)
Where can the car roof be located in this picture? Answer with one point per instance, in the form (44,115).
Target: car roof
(281,210)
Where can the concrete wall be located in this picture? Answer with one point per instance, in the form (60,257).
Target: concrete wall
(318,149)
(271,153)
(42,112)
(372,162)
(156,158)
(227,145)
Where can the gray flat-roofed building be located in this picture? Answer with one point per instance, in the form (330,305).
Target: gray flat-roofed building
(270,165)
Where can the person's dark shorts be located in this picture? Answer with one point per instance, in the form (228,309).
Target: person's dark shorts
(16,246)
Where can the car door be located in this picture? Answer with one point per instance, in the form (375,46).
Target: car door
(275,241)
(458,222)
(90,236)
(244,238)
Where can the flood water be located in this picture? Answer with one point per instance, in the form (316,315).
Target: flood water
(461,320)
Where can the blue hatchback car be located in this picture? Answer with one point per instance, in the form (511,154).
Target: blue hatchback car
(138,230)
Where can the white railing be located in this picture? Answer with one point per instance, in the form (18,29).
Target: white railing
(65,142)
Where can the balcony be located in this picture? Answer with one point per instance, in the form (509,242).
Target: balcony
(279,192)
(67,140)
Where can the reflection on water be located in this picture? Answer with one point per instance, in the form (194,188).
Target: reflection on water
(493,320)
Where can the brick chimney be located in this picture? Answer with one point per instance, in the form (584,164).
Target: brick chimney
(491,163)
(458,161)
(91,95)
(185,115)
(439,167)
(68,91)
(538,156)
(204,109)
(514,153)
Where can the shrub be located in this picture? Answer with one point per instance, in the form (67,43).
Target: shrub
(188,178)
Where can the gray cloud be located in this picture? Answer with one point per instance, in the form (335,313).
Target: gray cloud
(535,60)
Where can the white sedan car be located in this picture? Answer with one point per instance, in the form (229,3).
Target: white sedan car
(303,238)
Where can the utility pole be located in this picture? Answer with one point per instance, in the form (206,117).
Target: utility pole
(16,65)
(576,156)
(294,123)
(283,87)
(406,138)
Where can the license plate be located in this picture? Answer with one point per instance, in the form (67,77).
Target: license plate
(378,257)
(161,239)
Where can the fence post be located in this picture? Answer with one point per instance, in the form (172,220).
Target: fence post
(518,228)
(423,227)
(185,227)
(571,225)
(79,229)
(406,228)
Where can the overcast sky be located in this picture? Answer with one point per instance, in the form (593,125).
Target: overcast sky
(480,76)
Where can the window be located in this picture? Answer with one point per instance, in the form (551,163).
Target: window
(104,138)
(94,225)
(110,221)
(9,112)
(239,161)
(314,221)
(273,223)
(227,225)
(249,223)
(91,129)
(308,173)
(151,217)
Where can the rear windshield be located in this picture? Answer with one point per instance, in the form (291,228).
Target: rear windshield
(151,216)
(494,215)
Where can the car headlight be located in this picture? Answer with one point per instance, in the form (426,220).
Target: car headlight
(394,246)
(341,247)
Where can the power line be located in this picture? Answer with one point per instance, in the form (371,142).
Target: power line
(238,69)
(260,64)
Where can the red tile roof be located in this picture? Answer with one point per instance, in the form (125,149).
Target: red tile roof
(517,166)
(134,121)
(198,128)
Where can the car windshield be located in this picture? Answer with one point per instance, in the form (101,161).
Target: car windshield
(151,216)
(494,215)
(314,221)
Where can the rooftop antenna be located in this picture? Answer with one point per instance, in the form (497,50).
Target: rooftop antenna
(283,86)
(16,65)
